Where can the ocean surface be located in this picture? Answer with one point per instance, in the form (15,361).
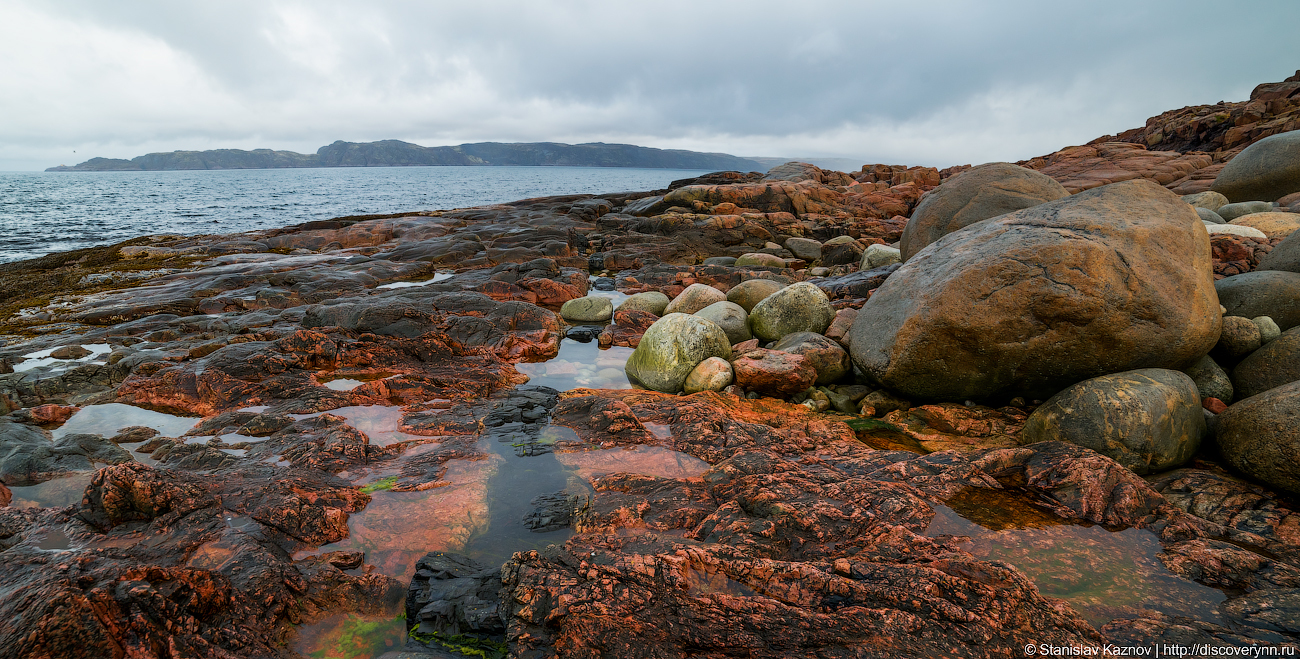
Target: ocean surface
(44,212)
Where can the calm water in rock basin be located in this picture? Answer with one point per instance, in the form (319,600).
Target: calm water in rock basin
(581,365)
(1103,574)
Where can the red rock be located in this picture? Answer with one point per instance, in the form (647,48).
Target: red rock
(1214,405)
(52,415)
(627,328)
(5,496)
(839,329)
(772,372)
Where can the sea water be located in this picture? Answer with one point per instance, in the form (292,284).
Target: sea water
(44,212)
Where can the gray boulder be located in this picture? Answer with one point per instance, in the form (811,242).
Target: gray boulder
(588,309)
(1211,380)
(672,348)
(1210,216)
(721,260)
(800,307)
(752,291)
(1260,436)
(826,356)
(652,301)
(1111,279)
(1273,365)
(804,248)
(1284,256)
(730,317)
(760,259)
(694,298)
(974,195)
(876,256)
(1230,212)
(1147,420)
(1264,171)
(1271,293)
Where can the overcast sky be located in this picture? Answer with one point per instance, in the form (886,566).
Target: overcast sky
(935,82)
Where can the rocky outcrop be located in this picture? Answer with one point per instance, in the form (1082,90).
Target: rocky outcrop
(1103,281)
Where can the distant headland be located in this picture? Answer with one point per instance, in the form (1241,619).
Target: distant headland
(396,153)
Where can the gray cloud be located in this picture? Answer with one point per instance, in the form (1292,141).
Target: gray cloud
(939,83)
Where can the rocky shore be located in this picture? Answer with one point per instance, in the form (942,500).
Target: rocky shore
(897,412)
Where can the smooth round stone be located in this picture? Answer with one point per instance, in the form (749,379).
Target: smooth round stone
(826,356)
(760,259)
(1209,216)
(1271,293)
(1209,200)
(731,317)
(1268,330)
(587,309)
(694,298)
(712,374)
(652,301)
(1236,230)
(804,248)
(800,307)
(839,240)
(1260,436)
(1211,380)
(672,348)
(1271,366)
(1273,225)
(1285,255)
(752,291)
(878,255)
(1147,420)
(1240,337)
(727,261)
(1266,170)
(850,252)
(1230,212)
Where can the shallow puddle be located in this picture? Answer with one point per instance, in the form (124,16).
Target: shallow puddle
(441,276)
(351,636)
(398,528)
(55,540)
(41,358)
(110,418)
(57,493)
(1102,574)
(342,384)
(645,460)
(581,365)
(379,422)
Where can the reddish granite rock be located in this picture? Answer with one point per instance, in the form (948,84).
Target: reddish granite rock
(773,372)
(1234,255)
(5,496)
(627,328)
(51,415)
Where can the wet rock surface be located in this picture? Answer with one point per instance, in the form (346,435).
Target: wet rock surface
(259,445)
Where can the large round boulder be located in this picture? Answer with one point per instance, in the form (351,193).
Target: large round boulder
(1209,200)
(800,307)
(590,309)
(752,291)
(694,298)
(712,374)
(651,301)
(730,317)
(976,194)
(1285,255)
(1111,279)
(826,356)
(760,259)
(672,348)
(1230,212)
(1264,171)
(1260,436)
(1147,420)
(1269,293)
(1275,364)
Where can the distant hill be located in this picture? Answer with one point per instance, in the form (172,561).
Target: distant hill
(395,153)
(837,164)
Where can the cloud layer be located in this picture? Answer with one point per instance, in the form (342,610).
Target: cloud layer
(948,83)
